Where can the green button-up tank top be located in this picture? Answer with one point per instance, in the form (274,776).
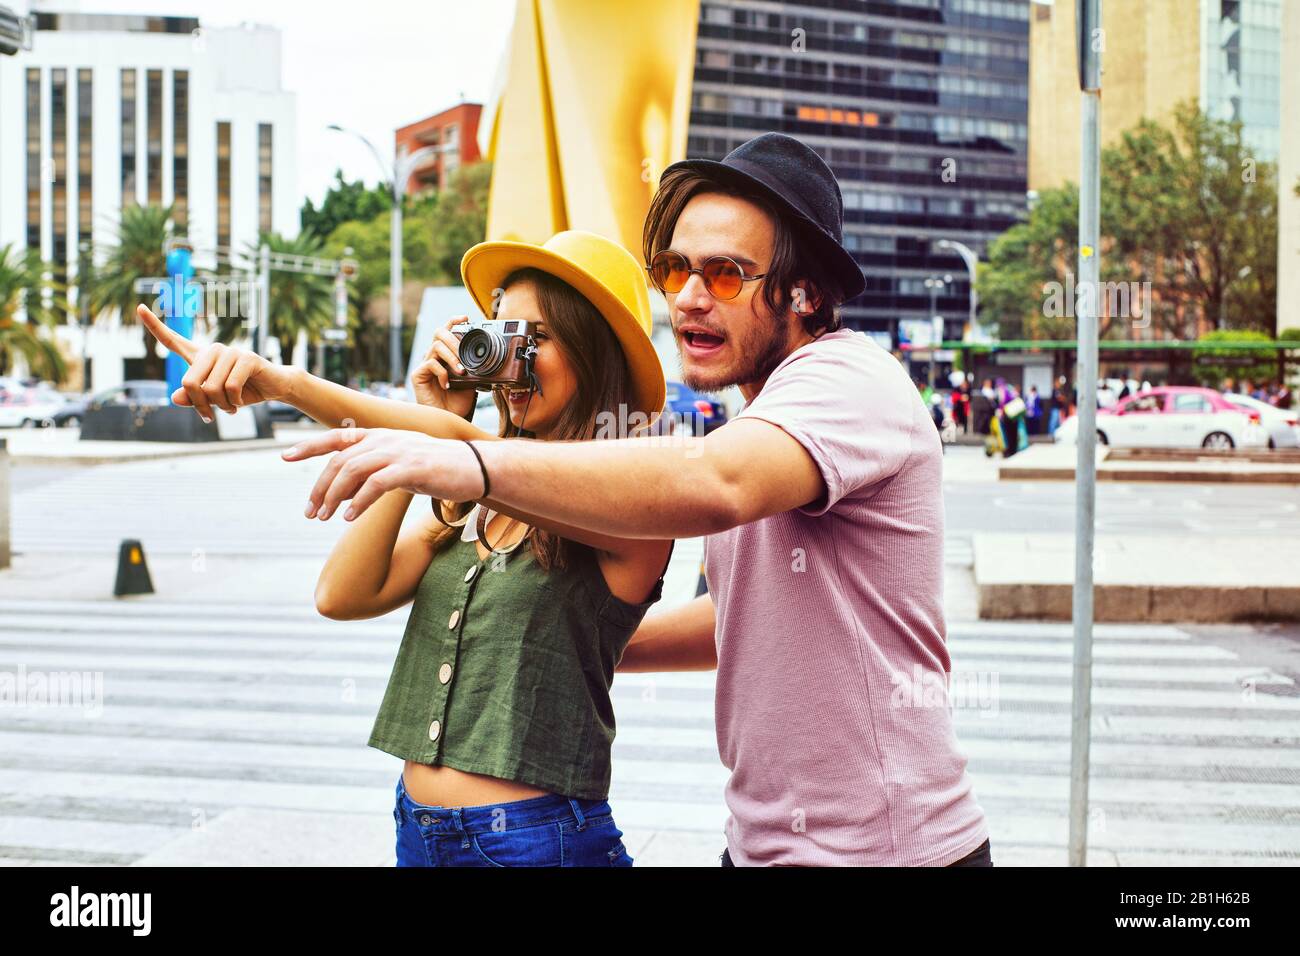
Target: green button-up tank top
(505,669)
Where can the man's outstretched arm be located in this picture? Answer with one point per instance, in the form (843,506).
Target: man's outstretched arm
(642,488)
(628,488)
(678,640)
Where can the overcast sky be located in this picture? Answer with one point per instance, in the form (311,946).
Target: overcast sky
(370,66)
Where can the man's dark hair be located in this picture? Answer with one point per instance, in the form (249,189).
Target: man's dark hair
(791,257)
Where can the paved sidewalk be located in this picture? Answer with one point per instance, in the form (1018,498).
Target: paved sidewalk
(1057,463)
(63,446)
(1148,578)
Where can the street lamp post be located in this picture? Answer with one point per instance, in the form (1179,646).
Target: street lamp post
(934,284)
(84,265)
(398,172)
(968,256)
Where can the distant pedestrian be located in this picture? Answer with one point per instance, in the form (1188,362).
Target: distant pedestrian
(1011,411)
(1033,411)
(982,407)
(1060,406)
(961,406)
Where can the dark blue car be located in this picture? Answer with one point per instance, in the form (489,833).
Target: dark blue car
(687,409)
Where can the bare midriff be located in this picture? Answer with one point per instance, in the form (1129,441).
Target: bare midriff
(447,786)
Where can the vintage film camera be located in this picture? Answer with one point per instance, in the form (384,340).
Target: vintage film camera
(496,353)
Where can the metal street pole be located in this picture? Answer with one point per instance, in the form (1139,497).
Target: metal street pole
(397,174)
(934,304)
(263,297)
(395,291)
(403,166)
(83,301)
(934,284)
(1088,25)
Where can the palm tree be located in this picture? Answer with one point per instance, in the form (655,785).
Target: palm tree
(23,283)
(138,254)
(300,301)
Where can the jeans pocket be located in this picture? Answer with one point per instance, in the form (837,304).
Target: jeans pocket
(539,845)
(598,843)
(617,855)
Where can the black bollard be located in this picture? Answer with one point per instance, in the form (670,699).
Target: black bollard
(132,572)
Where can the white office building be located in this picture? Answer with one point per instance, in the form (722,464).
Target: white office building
(107,110)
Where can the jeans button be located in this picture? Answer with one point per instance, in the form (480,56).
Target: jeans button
(425,819)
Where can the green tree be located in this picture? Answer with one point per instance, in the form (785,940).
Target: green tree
(437,229)
(23,285)
(1184,207)
(1027,286)
(1198,214)
(344,202)
(458,219)
(136,254)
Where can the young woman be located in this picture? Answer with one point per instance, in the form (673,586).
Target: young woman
(499,699)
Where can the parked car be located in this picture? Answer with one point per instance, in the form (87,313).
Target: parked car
(1282,425)
(686,409)
(1173,417)
(141,391)
(29,407)
(10,384)
(284,412)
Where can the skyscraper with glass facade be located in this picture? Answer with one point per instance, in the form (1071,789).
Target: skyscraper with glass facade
(919,106)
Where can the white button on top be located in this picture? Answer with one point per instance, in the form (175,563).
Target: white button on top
(454,619)
(444,673)
(435,728)
(471,572)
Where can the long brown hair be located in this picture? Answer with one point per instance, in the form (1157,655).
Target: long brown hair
(604,388)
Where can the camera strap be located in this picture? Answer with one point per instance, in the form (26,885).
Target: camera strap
(480,527)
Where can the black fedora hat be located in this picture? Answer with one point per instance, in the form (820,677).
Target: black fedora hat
(794,179)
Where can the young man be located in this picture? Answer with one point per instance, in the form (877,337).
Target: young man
(821,502)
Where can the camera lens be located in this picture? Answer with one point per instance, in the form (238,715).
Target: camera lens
(482,352)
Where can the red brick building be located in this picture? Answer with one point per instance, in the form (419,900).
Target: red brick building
(453,132)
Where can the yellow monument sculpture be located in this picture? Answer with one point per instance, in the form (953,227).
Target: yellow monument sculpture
(594,102)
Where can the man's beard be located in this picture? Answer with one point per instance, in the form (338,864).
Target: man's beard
(758,356)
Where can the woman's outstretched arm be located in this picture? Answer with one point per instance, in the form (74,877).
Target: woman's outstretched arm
(340,407)
(228,378)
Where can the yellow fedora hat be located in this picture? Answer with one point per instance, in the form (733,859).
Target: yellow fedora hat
(604,272)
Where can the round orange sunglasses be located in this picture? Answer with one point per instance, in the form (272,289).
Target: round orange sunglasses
(723,277)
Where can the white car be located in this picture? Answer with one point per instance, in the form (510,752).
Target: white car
(1282,426)
(1173,417)
(29,407)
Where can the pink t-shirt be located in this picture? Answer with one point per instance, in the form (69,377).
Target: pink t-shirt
(833,713)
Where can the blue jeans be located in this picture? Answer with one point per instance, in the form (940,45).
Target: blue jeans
(543,831)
